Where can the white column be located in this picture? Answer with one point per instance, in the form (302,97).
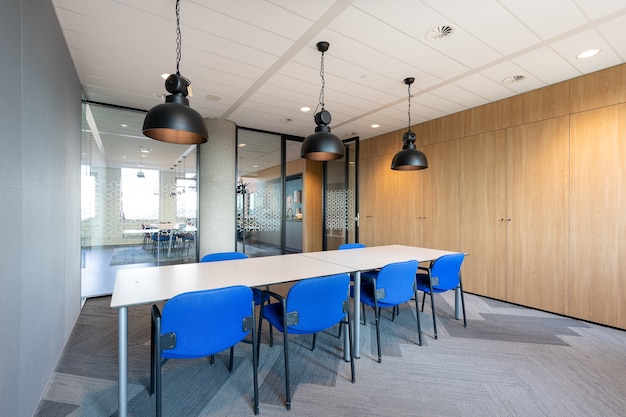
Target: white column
(217,179)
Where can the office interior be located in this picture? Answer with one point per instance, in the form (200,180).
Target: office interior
(530,185)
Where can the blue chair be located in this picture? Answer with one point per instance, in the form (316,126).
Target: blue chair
(393,285)
(444,274)
(351,246)
(227,256)
(311,305)
(198,324)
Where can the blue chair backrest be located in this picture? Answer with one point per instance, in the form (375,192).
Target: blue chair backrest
(319,302)
(447,269)
(206,322)
(398,281)
(351,246)
(223,256)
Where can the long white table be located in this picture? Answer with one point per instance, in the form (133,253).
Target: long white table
(367,259)
(150,285)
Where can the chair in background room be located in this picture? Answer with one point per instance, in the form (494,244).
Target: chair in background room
(159,240)
(311,305)
(393,285)
(198,324)
(444,274)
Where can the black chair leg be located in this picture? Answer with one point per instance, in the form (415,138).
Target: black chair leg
(462,303)
(313,345)
(287,384)
(419,322)
(232,356)
(432,305)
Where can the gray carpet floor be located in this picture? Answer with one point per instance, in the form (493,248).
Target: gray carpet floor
(508,361)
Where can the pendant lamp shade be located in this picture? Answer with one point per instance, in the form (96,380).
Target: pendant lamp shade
(174,121)
(322,145)
(409,158)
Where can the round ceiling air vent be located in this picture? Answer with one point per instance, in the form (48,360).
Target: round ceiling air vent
(513,79)
(440,33)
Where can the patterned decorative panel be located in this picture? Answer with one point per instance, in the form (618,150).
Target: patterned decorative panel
(340,209)
(263,208)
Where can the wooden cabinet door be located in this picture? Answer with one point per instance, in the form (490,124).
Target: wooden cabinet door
(441,196)
(598,212)
(407,207)
(538,206)
(483,217)
(375,201)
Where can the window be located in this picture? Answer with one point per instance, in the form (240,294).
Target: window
(87,193)
(186,198)
(140,195)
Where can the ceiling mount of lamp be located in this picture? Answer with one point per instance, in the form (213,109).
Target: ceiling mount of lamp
(322,145)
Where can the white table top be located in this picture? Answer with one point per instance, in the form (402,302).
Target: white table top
(149,285)
(365,259)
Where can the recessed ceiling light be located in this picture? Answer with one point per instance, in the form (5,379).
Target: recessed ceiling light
(513,79)
(375,125)
(164,76)
(588,54)
(305,109)
(440,33)
(160,96)
(286,120)
(241,145)
(255,166)
(213,97)
(145,150)
(124,125)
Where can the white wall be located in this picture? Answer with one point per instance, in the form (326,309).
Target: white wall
(40,115)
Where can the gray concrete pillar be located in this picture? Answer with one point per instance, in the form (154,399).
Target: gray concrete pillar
(217,178)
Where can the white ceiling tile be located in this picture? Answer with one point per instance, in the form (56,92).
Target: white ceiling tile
(614,32)
(484,87)
(582,41)
(546,65)
(459,95)
(596,9)
(489,21)
(547,18)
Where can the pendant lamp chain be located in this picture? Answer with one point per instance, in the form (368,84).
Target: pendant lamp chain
(409,107)
(178,37)
(321,101)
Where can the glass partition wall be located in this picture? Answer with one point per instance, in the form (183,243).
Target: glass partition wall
(138,198)
(341,198)
(269,190)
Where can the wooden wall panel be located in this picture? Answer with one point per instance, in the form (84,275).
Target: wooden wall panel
(495,116)
(312,198)
(376,201)
(546,103)
(483,214)
(600,89)
(598,210)
(441,196)
(538,206)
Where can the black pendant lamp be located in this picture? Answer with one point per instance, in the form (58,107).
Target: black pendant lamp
(322,145)
(174,121)
(409,158)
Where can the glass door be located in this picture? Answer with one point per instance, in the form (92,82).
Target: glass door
(341,213)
